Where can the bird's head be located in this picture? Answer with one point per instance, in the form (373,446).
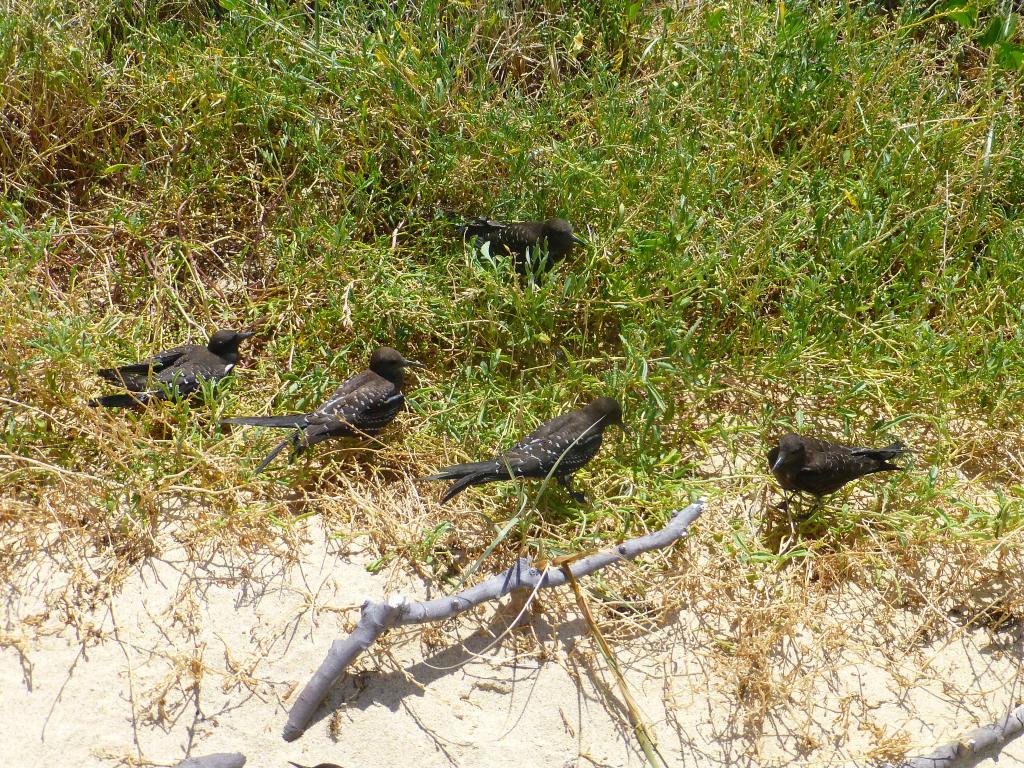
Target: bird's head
(558,233)
(791,451)
(608,411)
(227,341)
(388,362)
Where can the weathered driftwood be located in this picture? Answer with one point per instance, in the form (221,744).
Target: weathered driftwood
(220,760)
(378,617)
(976,741)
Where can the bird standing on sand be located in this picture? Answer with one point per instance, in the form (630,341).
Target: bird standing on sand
(817,467)
(174,373)
(361,407)
(535,246)
(557,447)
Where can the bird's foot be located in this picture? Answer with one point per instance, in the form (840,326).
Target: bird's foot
(578,496)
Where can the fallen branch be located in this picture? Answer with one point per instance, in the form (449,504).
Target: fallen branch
(973,743)
(397,611)
(220,760)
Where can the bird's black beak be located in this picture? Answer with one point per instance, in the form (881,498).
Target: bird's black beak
(243,335)
(577,240)
(778,463)
(412,364)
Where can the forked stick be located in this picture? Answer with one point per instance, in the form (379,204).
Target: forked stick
(397,611)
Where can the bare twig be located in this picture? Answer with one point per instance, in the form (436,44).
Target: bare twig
(396,611)
(219,760)
(973,743)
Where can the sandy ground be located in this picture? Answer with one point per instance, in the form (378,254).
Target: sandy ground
(189,658)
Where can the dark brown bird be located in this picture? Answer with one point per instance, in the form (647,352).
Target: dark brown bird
(817,467)
(534,246)
(361,407)
(174,373)
(558,447)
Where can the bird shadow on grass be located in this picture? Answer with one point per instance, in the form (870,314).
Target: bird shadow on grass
(827,524)
(333,467)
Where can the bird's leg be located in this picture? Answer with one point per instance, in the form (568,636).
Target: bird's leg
(566,482)
(816,506)
(807,509)
(299,445)
(787,507)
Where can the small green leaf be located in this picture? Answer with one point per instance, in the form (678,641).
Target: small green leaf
(714,19)
(993,33)
(1010,56)
(963,12)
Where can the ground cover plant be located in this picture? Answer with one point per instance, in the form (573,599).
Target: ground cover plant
(799,216)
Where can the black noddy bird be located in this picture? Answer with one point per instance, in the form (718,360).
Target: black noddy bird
(558,447)
(361,407)
(534,246)
(174,373)
(817,467)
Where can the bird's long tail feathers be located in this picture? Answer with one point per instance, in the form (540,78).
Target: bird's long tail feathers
(463,483)
(289,420)
(124,374)
(884,455)
(126,400)
(459,471)
(466,475)
(293,440)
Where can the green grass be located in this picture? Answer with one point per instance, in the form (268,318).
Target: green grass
(804,216)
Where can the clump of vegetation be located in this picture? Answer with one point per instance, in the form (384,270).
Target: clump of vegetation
(801,216)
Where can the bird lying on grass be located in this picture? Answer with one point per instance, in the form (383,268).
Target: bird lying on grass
(361,407)
(558,447)
(535,246)
(174,373)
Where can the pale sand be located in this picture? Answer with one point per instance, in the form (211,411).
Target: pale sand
(194,659)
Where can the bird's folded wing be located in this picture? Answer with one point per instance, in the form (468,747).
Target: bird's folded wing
(480,221)
(533,457)
(155,363)
(545,430)
(349,386)
(839,462)
(483,230)
(354,400)
(184,378)
(518,236)
(893,451)
(170,356)
(822,461)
